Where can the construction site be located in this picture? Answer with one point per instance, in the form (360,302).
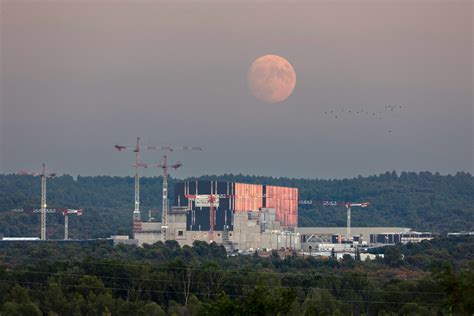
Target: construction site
(242,217)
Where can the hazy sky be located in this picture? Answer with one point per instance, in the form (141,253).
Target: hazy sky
(79,76)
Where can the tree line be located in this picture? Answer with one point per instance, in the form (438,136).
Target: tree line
(97,278)
(423,201)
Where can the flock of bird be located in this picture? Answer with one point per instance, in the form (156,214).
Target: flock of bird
(370,114)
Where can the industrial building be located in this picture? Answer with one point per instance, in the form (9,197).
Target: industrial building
(404,238)
(246,217)
(232,198)
(237,215)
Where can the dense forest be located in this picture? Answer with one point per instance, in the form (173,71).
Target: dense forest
(423,201)
(95,278)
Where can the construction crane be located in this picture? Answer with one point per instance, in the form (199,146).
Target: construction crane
(66,213)
(212,199)
(43,176)
(347,205)
(164,211)
(138,164)
(164,166)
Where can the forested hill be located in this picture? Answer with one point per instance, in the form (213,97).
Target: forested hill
(423,201)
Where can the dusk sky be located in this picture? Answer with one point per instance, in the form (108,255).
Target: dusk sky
(78,77)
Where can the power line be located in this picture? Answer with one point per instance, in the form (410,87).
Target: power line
(224,284)
(314,274)
(195,293)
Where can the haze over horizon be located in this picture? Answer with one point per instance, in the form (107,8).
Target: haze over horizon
(78,77)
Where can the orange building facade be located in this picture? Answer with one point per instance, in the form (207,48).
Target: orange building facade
(235,197)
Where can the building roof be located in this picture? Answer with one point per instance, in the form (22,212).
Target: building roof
(354,230)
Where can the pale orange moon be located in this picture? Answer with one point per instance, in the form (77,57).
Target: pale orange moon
(271,78)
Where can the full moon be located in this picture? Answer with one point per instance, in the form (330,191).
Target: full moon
(271,78)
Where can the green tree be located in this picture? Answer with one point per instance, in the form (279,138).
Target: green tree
(321,302)
(393,256)
(153,309)
(19,303)
(54,300)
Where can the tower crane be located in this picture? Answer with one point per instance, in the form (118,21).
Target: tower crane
(164,211)
(138,164)
(165,167)
(212,199)
(66,213)
(347,205)
(43,176)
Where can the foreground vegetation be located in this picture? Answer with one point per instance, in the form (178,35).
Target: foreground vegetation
(432,278)
(423,201)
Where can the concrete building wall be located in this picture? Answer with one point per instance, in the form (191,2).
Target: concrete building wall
(251,231)
(150,233)
(177,227)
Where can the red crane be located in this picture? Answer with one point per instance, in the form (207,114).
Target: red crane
(212,199)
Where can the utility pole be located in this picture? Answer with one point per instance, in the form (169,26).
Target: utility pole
(43,176)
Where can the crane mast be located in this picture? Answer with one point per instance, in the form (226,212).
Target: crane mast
(66,213)
(164,208)
(211,214)
(43,203)
(164,211)
(164,166)
(138,164)
(348,226)
(136,210)
(66,226)
(43,176)
(349,209)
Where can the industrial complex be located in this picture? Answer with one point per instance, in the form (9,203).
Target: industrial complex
(237,215)
(250,217)
(242,217)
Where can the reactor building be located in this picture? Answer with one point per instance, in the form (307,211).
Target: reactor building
(237,215)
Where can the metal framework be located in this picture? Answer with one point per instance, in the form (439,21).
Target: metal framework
(138,164)
(164,211)
(43,176)
(164,166)
(66,214)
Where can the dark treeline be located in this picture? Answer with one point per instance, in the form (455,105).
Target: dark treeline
(47,278)
(423,201)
